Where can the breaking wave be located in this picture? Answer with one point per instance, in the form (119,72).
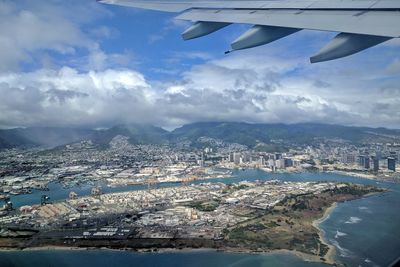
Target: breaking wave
(370,263)
(343,252)
(353,220)
(339,234)
(364,209)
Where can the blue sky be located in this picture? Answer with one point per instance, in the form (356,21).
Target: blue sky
(81,63)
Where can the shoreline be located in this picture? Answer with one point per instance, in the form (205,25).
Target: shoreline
(328,258)
(330,255)
(112,186)
(367,176)
(304,256)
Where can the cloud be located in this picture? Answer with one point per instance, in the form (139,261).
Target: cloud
(28,28)
(97,59)
(67,97)
(237,88)
(63,95)
(321,84)
(394,67)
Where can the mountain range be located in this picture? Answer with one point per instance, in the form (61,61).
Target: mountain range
(231,132)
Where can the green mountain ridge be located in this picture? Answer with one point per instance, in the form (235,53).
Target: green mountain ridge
(251,134)
(137,133)
(231,132)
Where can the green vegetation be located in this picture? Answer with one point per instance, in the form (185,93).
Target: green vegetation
(253,134)
(262,137)
(204,206)
(271,148)
(233,187)
(289,224)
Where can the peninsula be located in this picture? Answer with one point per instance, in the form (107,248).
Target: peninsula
(244,217)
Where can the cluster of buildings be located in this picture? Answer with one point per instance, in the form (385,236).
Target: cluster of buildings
(273,161)
(119,164)
(122,163)
(164,212)
(373,159)
(374,163)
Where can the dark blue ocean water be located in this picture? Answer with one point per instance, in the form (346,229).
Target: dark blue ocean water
(366,232)
(128,259)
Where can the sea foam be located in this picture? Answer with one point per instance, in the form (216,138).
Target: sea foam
(353,220)
(339,234)
(342,251)
(365,209)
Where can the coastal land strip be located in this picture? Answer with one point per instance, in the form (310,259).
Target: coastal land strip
(290,226)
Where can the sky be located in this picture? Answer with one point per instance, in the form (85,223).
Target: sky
(79,63)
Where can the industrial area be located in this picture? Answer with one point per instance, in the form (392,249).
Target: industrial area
(207,215)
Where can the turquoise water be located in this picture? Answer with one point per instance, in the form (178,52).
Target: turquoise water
(57,192)
(366,232)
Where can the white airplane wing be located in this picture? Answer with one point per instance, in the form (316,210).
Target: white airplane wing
(360,23)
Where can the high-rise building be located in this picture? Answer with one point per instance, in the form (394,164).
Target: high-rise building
(391,164)
(236,157)
(360,161)
(367,164)
(296,162)
(200,162)
(271,163)
(230,157)
(280,163)
(348,158)
(375,163)
(261,161)
(245,157)
(287,162)
(363,161)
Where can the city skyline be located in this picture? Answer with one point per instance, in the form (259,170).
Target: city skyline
(97,66)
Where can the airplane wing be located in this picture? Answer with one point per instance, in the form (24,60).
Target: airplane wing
(360,24)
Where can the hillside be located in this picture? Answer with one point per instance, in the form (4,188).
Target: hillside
(251,134)
(231,132)
(52,137)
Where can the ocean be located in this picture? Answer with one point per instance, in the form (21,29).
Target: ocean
(366,232)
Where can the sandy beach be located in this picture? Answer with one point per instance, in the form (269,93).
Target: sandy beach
(328,258)
(330,255)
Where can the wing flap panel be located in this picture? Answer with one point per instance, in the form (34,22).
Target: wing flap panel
(200,29)
(346,44)
(261,35)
